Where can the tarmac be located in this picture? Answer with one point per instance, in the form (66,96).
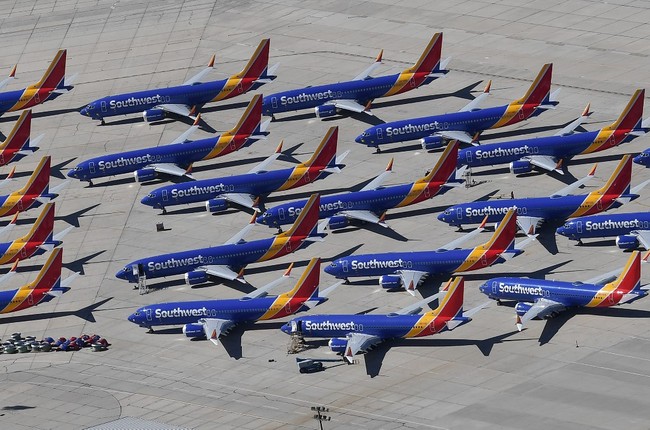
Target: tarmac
(581,370)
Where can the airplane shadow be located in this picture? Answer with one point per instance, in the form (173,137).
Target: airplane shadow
(55,170)
(600,159)
(85,313)
(383,231)
(72,219)
(78,264)
(547,237)
(111,182)
(43,114)
(600,243)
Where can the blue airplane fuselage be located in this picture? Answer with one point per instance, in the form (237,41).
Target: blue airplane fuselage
(643,158)
(605,225)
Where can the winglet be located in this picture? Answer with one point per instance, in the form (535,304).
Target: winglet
(279,148)
(377,60)
(592,172)
(367,107)
(287,272)
(645,257)
(482,226)
(519,325)
(197,120)
(586,112)
(11,173)
(389,168)
(486,90)
(12,74)
(211,62)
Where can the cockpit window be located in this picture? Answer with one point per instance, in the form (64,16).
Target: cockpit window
(151,195)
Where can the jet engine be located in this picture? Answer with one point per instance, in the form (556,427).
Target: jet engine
(216,205)
(432,142)
(151,115)
(325,111)
(193,330)
(520,166)
(338,344)
(196,277)
(144,175)
(627,241)
(390,281)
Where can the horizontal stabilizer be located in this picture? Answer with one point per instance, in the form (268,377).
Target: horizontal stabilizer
(637,189)
(61,186)
(552,101)
(68,281)
(60,235)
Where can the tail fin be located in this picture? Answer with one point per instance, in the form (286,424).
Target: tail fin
(39,182)
(307,285)
(54,76)
(250,120)
(18,138)
(445,168)
(430,58)
(306,223)
(325,154)
(43,228)
(49,278)
(451,305)
(540,89)
(630,278)
(632,116)
(258,64)
(503,237)
(619,182)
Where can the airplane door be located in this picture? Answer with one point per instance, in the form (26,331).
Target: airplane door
(459,213)
(91,167)
(281,214)
(37,97)
(287,247)
(380,133)
(345,267)
(148,313)
(427,192)
(165,196)
(521,114)
(484,261)
(30,300)
(494,287)
(469,156)
(2,159)
(103,106)
(287,307)
(23,253)
(20,205)
(599,205)
(413,83)
(579,226)
(239,88)
(274,102)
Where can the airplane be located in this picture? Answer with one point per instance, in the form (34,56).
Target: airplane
(351,334)
(39,240)
(247,189)
(187,99)
(45,287)
(50,86)
(356,95)
(632,230)
(408,269)
(466,125)
(532,211)
(37,191)
(372,201)
(176,159)
(540,298)
(643,158)
(226,261)
(215,318)
(549,153)
(18,143)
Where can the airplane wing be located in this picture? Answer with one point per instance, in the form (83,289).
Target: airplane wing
(577,184)
(169,169)
(359,342)
(215,327)
(245,200)
(4,278)
(239,236)
(12,76)
(67,281)
(363,75)
(456,243)
(418,306)
(379,180)
(221,271)
(528,224)
(349,105)
(185,136)
(453,323)
(366,216)
(411,279)
(474,104)
(10,226)
(323,294)
(197,78)
(545,162)
(643,236)
(263,291)
(540,309)
(270,159)
(178,109)
(461,136)
(569,129)
(9,178)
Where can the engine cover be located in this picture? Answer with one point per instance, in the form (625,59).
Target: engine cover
(216,205)
(338,221)
(193,330)
(325,111)
(338,344)
(627,242)
(390,281)
(144,175)
(520,166)
(432,142)
(151,115)
(522,307)
(196,277)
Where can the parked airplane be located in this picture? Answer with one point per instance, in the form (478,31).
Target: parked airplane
(52,84)
(354,333)
(40,239)
(643,158)
(18,143)
(532,211)
(225,261)
(407,269)
(215,318)
(188,98)
(247,189)
(44,288)
(36,192)
(632,230)
(549,153)
(372,201)
(356,95)
(539,298)
(176,159)
(435,131)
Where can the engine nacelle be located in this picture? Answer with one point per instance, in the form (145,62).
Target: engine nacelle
(216,205)
(193,330)
(522,307)
(627,242)
(151,115)
(520,166)
(144,175)
(196,277)
(338,222)
(432,142)
(325,111)
(338,344)
(390,281)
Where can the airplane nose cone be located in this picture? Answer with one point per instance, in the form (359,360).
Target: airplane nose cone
(146,200)
(482,288)
(72,173)
(84,112)
(132,318)
(260,220)
(442,217)
(359,139)
(286,328)
(122,274)
(561,231)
